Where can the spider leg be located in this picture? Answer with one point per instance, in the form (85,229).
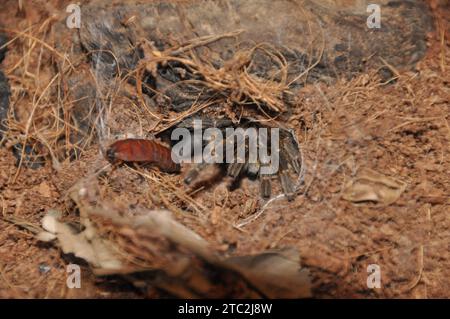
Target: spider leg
(193,173)
(266,187)
(292,155)
(253,169)
(292,151)
(286,183)
(234,169)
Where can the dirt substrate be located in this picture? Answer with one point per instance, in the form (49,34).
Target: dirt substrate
(400,129)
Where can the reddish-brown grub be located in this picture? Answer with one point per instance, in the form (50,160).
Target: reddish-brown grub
(142,151)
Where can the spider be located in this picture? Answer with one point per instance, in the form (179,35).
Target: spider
(288,155)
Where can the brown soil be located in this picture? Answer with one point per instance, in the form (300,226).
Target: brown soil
(399,129)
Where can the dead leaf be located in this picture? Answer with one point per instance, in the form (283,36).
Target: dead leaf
(370,186)
(180,261)
(276,273)
(85,245)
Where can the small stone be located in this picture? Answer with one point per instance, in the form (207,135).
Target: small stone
(45,190)
(44,268)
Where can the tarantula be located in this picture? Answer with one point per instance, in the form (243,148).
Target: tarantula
(287,153)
